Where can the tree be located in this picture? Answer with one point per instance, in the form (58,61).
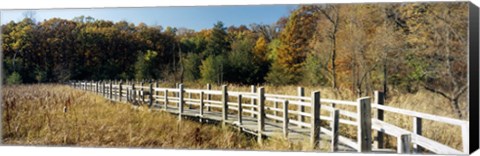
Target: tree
(192,63)
(211,69)
(217,42)
(240,61)
(332,15)
(294,44)
(144,65)
(437,34)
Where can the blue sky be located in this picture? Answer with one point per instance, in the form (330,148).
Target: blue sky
(197,18)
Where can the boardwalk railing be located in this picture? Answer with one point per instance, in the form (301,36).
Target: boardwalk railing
(293,116)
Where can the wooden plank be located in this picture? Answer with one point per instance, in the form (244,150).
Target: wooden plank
(403,143)
(275,118)
(364,131)
(120,90)
(240,109)
(421,115)
(141,90)
(150,96)
(466,138)
(417,129)
(209,87)
(289,97)
(261,114)
(253,101)
(424,142)
(299,103)
(335,115)
(433,146)
(315,120)
(379,100)
(276,109)
(341,102)
(180,102)
(301,93)
(295,122)
(285,119)
(224,104)
(110,91)
(202,105)
(189,97)
(165,104)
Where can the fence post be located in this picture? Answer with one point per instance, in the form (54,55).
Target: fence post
(334,125)
(201,103)
(466,138)
(403,143)
(225,105)
(128,94)
(166,99)
(96,87)
(301,93)
(156,92)
(142,94)
(176,93)
(180,101)
(275,112)
(261,113)
(253,101)
(380,100)
(240,110)
(111,91)
(364,124)
(151,96)
(190,98)
(133,93)
(285,119)
(120,88)
(315,120)
(417,129)
(209,97)
(104,89)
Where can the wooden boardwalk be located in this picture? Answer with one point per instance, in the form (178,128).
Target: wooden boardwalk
(295,117)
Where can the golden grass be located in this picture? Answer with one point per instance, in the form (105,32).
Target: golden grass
(34,115)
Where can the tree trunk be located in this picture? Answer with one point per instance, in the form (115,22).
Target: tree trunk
(334,73)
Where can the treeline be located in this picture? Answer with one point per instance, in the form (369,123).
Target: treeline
(360,47)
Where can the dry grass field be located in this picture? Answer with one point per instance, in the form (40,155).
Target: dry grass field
(35,115)
(62,116)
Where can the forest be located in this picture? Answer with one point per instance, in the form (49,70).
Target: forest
(394,47)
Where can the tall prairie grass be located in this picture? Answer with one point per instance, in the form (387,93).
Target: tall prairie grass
(61,115)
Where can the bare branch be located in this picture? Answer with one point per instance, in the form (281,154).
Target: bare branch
(437,91)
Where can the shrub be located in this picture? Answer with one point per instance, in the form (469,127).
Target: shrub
(14,78)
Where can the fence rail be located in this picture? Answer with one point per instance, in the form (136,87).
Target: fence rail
(286,111)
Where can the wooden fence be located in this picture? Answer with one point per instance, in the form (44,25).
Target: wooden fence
(252,105)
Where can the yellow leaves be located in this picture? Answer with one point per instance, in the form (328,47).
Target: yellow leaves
(260,50)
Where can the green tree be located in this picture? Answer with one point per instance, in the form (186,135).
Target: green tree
(192,63)
(211,69)
(217,42)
